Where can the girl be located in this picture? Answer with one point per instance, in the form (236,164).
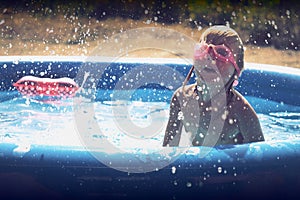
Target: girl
(211,112)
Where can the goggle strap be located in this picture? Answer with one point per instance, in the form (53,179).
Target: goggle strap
(188,76)
(236,67)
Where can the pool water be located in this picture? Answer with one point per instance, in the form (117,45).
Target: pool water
(25,121)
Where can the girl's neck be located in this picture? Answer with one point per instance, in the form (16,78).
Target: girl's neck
(220,97)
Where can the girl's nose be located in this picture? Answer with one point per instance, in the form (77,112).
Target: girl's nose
(210,53)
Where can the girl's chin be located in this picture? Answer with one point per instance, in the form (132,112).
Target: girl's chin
(211,80)
(208,76)
(211,77)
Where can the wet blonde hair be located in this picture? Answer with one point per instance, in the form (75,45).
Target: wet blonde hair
(218,35)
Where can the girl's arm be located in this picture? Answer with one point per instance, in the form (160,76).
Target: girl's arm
(174,127)
(249,124)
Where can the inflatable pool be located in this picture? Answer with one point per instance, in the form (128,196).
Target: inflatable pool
(51,148)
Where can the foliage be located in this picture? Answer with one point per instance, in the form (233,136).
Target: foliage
(259,22)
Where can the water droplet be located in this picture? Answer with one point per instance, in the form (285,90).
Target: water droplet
(175,183)
(15,62)
(173,170)
(201,135)
(219,169)
(180,116)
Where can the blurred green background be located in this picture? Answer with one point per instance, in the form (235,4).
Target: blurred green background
(264,23)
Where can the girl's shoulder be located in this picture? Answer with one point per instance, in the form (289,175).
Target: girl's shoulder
(187,89)
(238,97)
(239,103)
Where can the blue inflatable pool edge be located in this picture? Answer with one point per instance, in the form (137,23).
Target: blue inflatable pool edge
(260,170)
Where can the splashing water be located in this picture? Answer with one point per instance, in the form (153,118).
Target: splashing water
(52,123)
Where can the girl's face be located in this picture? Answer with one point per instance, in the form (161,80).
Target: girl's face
(214,64)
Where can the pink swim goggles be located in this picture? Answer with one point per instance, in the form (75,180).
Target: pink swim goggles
(219,52)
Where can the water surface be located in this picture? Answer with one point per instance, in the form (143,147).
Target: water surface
(38,121)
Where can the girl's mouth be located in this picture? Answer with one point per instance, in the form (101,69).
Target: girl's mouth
(208,69)
(207,66)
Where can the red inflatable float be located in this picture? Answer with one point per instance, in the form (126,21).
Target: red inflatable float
(34,86)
